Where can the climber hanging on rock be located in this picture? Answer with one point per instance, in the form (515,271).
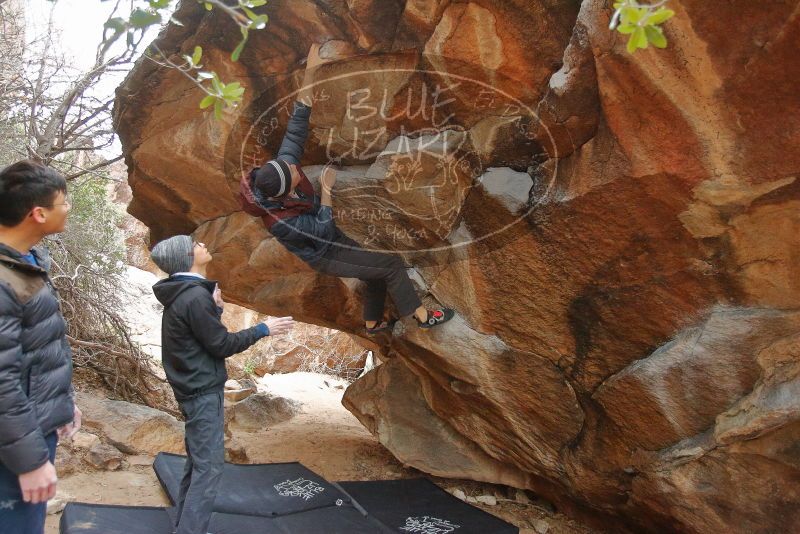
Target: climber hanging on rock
(281,194)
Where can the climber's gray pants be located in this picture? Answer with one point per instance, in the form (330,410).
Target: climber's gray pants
(346,259)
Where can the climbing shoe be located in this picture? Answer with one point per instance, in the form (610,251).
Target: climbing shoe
(437,317)
(383,326)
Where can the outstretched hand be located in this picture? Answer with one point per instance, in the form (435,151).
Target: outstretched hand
(279,325)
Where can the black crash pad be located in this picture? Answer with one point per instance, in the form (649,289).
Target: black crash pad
(80,518)
(257,489)
(291,499)
(330,520)
(418,505)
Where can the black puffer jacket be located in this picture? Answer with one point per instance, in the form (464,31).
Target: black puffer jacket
(194,342)
(36,395)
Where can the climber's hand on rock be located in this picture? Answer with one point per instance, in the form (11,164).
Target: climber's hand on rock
(314,59)
(279,325)
(328,178)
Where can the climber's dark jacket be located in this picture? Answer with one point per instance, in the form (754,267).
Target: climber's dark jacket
(304,226)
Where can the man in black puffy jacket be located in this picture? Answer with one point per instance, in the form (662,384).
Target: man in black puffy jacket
(194,345)
(36,397)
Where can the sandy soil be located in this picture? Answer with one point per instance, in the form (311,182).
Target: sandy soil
(326,438)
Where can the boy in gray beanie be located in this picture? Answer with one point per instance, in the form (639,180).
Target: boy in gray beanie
(174,255)
(194,345)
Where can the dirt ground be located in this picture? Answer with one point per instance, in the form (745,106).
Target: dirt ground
(326,438)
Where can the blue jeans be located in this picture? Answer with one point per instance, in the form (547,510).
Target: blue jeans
(16,515)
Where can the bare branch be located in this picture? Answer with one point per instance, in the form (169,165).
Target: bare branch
(93,168)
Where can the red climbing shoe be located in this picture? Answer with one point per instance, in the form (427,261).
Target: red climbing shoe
(437,317)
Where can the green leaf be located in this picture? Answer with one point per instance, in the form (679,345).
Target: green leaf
(635,40)
(641,37)
(142,18)
(208,5)
(233,91)
(256,3)
(626,28)
(207,101)
(118,24)
(631,14)
(197,55)
(656,36)
(159,4)
(259,23)
(249,13)
(238,51)
(661,15)
(218,109)
(204,75)
(631,46)
(218,87)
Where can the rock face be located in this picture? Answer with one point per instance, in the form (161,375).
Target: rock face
(311,348)
(617,233)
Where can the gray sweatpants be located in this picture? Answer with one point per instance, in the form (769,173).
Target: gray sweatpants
(205,458)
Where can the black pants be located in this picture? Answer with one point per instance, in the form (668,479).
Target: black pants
(381,272)
(205,458)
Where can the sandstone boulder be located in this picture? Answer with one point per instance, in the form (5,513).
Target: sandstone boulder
(616,232)
(131,428)
(260,411)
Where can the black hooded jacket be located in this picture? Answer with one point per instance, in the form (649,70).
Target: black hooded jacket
(194,342)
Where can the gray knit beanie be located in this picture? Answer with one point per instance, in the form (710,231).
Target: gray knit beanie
(174,255)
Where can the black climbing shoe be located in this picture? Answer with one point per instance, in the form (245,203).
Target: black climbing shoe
(383,326)
(437,317)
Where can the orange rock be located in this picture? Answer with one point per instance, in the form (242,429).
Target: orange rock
(616,232)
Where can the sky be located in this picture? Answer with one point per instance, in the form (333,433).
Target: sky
(79,27)
(80,23)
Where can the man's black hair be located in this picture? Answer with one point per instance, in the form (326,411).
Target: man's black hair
(25,185)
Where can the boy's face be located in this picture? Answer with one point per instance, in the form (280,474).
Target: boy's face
(295,177)
(201,255)
(52,219)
